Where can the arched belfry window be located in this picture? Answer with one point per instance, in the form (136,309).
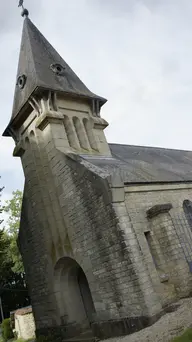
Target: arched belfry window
(80,133)
(187,207)
(89,132)
(71,134)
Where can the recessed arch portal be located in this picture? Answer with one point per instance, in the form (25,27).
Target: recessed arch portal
(73,293)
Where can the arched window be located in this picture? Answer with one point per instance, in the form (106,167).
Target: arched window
(32,140)
(26,142)
(32,135)
(71,134)
(187,207)
(88,130)
(81,134)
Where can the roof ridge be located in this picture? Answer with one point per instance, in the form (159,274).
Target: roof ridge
(151,147)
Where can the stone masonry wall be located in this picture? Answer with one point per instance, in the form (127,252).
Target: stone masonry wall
(34,242)
(69,212)
(100,243)
(163,240)
(94,227)
(96,237)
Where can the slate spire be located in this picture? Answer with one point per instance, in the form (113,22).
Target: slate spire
(41,67)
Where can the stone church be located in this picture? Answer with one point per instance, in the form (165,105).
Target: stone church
(106,229)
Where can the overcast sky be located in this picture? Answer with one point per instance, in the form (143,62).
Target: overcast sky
(136,53)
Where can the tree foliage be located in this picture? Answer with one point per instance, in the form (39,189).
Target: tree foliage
(7,333)
(13,290)
(13,209)
(4,243)
(1,209)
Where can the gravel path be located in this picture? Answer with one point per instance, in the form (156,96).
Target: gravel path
(166,328)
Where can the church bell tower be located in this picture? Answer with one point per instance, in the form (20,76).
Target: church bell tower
(54,115)
(47,90)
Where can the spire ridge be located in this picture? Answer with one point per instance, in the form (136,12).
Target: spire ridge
(41,68)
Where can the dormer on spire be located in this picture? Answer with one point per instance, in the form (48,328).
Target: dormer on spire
(41,68)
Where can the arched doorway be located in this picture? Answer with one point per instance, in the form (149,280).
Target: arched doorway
(73,293)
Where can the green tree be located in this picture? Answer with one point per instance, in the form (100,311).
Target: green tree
(4,241)
(13,209)
(1,209)
(13,290)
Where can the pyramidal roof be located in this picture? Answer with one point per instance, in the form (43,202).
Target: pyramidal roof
(37,62)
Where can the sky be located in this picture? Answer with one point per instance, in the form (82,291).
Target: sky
(135,53)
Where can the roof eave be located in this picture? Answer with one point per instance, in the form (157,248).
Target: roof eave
(156,182)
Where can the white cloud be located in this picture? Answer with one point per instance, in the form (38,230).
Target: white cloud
(136,53)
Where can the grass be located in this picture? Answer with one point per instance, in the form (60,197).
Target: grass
(186,337)
(18,340)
